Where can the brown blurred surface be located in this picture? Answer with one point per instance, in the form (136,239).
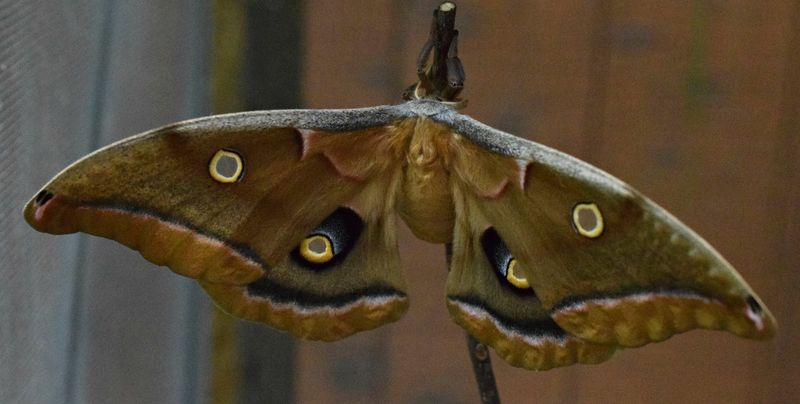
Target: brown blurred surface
(695,103)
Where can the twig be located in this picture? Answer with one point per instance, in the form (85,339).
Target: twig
(482,367)
(442,79)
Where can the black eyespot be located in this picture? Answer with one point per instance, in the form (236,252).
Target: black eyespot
(496,251)
(331,241)
(753,305)
(503,262)
(42,197)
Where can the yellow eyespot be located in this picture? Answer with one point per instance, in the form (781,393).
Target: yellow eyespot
(516,280)
(588,220)
(226,166)
(316,249)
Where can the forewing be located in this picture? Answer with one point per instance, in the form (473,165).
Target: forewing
(167,194)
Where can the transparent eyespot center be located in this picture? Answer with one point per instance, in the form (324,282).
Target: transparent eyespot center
(588,220)
(226,166)
(516,280)
(317,249)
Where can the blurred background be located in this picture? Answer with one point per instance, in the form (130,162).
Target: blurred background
(696,103)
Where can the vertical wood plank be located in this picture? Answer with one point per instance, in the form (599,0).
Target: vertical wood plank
(779,372)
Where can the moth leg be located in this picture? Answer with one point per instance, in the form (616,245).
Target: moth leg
(455,70)
(424,82)
(422,58)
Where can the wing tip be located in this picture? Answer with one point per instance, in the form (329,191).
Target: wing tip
(161,241)
(44,212)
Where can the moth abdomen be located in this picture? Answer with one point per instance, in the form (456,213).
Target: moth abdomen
(425,200)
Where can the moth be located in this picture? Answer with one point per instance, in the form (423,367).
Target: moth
(290,218)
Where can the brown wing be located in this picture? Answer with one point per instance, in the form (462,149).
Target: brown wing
(609,265)
(227,201)
(487,298)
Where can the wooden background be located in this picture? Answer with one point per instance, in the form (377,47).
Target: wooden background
(695,103)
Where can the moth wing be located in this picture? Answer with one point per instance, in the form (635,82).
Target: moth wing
(167,194)
(608,264)
(509,318)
